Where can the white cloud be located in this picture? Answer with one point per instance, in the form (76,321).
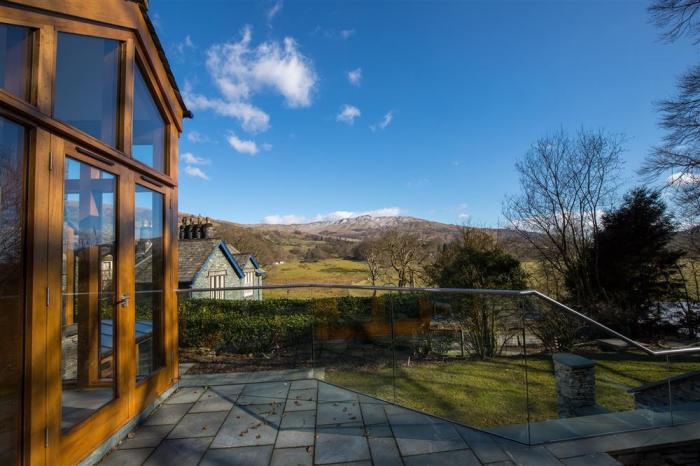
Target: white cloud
(196,136)
(283,219)
(463,216)
(386,121)
(682,178)
(266,146)
(240,71)
(180,49)
(347,114)
(195,172)
(243,146)
(346,33)
(251,117)
(274,11)
(190,159)
(355,76)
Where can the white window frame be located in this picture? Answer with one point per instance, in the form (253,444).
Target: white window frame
(249,280)
(217,280)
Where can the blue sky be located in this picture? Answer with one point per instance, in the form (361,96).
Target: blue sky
(448,95)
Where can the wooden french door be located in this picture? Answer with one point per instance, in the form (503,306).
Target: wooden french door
(91,272)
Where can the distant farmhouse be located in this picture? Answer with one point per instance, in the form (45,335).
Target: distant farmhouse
(209,262)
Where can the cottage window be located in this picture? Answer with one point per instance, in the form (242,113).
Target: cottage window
(149,126)
(15,60)
(249,281)
(217,280)
(87,85)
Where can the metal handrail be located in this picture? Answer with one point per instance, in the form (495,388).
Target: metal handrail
(465,291)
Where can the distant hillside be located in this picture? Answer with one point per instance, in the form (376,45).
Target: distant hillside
(273,243)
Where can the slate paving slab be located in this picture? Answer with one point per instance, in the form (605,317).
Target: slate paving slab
(211,401)
(260,393)
(182,452)
(303,384)
(379,431)
(328,393)
(185,395)
(457,457)
(341,444)
(145,436)
(243,456)
(373,413)
(230,392)
(168,414)
(243,428)
(483,445)
(384,452)
(338,412)
(208,426)
(418,439)
(298,419)
(127,457)
(292,456)
(301,400)
(198,425)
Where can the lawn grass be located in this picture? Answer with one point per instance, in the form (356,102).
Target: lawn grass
(329,271)
(491,392)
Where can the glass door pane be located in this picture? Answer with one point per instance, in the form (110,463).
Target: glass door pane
(149,281)
(88,286)
(12,208)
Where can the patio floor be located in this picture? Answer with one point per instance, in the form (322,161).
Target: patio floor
(290,418)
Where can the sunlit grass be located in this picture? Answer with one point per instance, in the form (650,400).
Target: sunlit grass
(492,392)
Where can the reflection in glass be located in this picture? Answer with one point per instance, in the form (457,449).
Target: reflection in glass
(12,156)
(87,317)
(149,127)
(87,85)
(15,60)
(149,281)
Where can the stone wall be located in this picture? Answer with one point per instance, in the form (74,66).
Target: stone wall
(685,388)
(217,262)
(575,381)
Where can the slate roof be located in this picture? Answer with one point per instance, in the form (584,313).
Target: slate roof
(192,255)
(243,260)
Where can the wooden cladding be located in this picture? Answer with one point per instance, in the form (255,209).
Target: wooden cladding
(85,329)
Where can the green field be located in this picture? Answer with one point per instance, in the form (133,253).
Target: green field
(329,271)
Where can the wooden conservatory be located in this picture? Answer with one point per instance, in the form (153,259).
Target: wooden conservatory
(90,117)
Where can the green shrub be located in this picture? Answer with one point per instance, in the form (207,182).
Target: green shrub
(264,326)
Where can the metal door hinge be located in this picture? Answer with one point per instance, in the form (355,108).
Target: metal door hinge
(48,296)
(46,437)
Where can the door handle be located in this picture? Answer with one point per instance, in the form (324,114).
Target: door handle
(123,300)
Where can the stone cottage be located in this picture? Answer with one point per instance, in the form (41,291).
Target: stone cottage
(209,262)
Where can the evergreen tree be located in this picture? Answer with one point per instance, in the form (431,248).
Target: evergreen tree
(634,266)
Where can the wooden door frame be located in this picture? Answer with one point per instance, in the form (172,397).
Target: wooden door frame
(145,391)
(81,440)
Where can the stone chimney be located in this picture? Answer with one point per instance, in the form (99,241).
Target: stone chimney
(188,227)
(207,229)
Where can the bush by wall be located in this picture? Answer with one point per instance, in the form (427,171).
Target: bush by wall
(265,326)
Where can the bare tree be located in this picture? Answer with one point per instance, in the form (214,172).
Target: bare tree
(371,252)
(678,155)
(406,254)
(566,183)
(677,17)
